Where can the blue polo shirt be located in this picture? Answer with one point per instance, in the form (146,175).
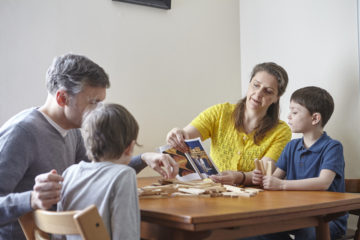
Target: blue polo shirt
(300,163)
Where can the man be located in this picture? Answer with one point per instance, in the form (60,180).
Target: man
(38,144)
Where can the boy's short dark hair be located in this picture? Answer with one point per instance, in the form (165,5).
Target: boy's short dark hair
(108,130)
(315,99)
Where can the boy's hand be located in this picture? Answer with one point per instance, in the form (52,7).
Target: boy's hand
(272,183)
(47,190)
(257,177)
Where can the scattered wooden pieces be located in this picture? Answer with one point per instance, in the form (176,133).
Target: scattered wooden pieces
(195,188)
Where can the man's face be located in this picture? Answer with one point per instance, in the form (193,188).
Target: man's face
(84,101)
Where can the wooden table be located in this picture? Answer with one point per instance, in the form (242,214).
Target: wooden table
(231,218)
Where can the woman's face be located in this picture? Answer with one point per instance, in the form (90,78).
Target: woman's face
(262,92)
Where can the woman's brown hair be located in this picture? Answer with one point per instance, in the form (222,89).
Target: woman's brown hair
(271,118)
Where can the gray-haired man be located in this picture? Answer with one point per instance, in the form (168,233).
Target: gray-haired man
(38,144)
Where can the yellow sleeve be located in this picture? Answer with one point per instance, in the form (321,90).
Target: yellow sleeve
(207,121)
(282,135)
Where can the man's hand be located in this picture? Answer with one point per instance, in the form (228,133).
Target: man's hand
(47,190)
(228,177)
(162,163)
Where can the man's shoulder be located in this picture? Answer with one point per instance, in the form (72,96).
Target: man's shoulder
(28,119)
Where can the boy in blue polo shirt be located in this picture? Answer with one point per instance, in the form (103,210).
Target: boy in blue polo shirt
(313,162)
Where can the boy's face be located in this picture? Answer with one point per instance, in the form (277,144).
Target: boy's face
(300,119)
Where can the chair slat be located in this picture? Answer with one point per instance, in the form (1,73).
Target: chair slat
(88,223)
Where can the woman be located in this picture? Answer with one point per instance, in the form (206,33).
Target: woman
(244,131)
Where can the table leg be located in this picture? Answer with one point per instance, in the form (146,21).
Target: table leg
(323,231)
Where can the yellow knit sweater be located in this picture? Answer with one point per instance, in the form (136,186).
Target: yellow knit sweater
(234,150)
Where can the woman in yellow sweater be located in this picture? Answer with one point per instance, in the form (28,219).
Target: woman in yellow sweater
(244,131)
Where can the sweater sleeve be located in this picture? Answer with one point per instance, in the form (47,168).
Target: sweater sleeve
(15,157)
(137,163)
(206,122)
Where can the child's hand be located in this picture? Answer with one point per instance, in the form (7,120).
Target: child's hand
(272,183)
(257,177)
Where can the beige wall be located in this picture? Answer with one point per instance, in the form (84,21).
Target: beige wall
(165,66)
(316,41)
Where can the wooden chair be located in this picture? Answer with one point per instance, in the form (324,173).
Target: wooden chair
(353,186)
(37,225)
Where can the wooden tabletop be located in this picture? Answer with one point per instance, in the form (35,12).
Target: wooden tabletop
(199,213)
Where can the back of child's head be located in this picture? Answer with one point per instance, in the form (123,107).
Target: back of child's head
(315,100)
(108,130)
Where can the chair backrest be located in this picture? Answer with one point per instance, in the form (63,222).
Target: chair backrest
(352,185)
(37,225)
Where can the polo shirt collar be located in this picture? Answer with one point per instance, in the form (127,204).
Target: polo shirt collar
(317,146)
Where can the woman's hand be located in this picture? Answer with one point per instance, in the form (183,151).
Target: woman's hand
(228,177)
(175,138)
(257,177)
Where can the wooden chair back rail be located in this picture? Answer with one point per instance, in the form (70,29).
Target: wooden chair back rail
(353,186)
(55,222)
(88,223)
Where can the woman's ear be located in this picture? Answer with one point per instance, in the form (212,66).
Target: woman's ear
(316,118)
(130,149)
(61,98)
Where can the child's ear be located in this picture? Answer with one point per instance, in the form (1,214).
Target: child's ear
(130,149)
(61,98)
(316,118)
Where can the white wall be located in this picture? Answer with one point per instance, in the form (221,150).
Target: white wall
(165,66)
(316,42)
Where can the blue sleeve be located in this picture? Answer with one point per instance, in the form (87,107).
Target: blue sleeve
(15,157)
(333,158)
(137,163)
